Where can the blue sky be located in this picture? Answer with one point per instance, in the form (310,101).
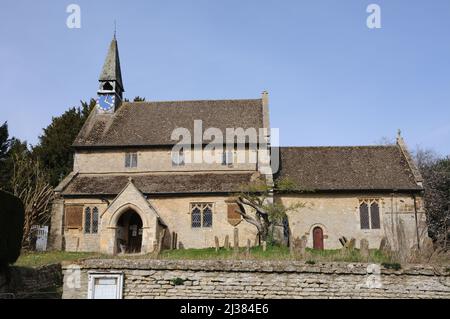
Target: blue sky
(331,80)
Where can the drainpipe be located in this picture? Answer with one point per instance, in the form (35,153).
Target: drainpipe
(417,224)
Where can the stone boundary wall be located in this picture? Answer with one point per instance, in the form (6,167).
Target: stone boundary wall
(24,281)
(262,279)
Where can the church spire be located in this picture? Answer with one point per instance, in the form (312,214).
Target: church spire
(110,92)
(111,69)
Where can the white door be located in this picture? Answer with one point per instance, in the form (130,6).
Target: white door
(105,286)
(41,240)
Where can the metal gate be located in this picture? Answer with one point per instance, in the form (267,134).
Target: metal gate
(40,236)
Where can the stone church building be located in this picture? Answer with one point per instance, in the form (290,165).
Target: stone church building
(130,192)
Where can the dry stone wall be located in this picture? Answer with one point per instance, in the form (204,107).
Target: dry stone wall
(24,281)
(264,279)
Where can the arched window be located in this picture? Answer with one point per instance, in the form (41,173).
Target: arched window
(95,220)
(91,220)
(207,217)
(375,215)
(369,214)
(87,220)
(107,86)
(201,215)
(196,218)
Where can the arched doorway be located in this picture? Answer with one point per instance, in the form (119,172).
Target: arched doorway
(129,232)
(318,238)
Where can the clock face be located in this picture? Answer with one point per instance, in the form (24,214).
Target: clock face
(106,102)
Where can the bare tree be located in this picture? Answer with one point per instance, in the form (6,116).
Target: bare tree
(258,208)
(30,184)
(436,173)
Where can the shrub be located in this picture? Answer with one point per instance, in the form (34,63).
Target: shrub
(11,227)
(178,281)
(395,266)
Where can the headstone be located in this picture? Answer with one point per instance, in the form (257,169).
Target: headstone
(216,241)
(385,247)
(364,248)
(298,247)
(343,241)
(264,245)
(159,243)
(226,243)
(236,239)
(295,247)
(351,244)
(173,244)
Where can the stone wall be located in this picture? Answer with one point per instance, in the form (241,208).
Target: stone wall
(27,281)
(158,160)
(173,211)
(338,215)
(264,279)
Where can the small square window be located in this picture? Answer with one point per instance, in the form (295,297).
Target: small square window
(130,160)
(178,158)
(227,158)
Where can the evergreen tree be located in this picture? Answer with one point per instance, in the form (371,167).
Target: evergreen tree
(54,150)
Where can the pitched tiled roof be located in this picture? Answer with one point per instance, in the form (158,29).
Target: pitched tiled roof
(152,123)
(186,183)
(346,168)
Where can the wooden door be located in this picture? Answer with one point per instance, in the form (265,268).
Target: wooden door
(134,234)
(318,238)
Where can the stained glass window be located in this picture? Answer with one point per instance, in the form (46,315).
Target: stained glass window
(201,214)
(196,218)
(375,215)
(364,215)
(369,213)
(95,220)
(87,220)
(207,217)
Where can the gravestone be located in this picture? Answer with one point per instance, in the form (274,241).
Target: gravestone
(216,241)
(364,248)
(226,244)
(351,244)
(299,247)
(236,240)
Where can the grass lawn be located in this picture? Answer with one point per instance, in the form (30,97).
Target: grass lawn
(275,253)
(34,259)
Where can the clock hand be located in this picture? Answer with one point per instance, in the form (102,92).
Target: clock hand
(110,104)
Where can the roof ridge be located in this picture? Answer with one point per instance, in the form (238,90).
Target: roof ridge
(178,101)
(341,146)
